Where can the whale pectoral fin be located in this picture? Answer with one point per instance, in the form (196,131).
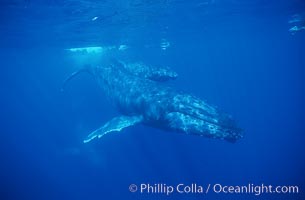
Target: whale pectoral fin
(74,74)
(116,124)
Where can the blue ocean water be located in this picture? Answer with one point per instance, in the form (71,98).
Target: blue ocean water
(238,55)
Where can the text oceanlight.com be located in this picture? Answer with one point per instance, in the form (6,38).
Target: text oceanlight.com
(194,188)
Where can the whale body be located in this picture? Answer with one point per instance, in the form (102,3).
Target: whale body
(141,98)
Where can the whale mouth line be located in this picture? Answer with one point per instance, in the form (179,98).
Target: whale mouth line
(209,121)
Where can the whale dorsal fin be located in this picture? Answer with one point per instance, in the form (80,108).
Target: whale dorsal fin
(114,125)
(159,74)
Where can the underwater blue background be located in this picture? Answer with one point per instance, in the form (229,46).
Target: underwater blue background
(238,55)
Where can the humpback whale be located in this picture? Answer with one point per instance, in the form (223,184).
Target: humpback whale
(160,74)
(141,98)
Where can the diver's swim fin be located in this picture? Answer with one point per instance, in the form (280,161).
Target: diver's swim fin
(116,124)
